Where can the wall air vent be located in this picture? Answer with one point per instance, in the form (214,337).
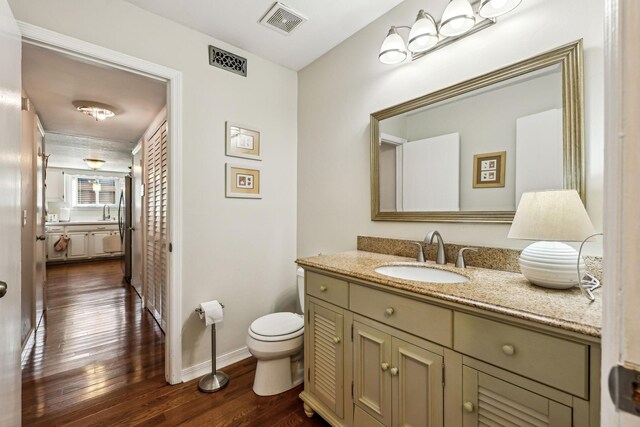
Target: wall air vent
(227,61)
(282,19)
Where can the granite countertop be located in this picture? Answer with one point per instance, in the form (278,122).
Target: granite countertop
(492,290)
(85,222)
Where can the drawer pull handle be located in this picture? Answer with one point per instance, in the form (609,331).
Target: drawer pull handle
(394,371)
(508,349)
(384,366)
(468,407)
(336,340)
(389,311)
(323,288)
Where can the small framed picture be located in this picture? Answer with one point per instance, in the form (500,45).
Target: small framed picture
(489,170)
(242,141)
(243,182)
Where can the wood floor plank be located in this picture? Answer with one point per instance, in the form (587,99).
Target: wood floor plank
(98,360)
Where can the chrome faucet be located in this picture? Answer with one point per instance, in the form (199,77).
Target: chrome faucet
(420,257)
(460,262)
(440,256)
(106,212)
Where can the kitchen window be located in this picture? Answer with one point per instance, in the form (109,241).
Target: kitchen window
(93,191)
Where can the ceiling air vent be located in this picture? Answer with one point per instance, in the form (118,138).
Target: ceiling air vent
(282,18)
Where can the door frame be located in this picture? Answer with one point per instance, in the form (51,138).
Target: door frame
(95,53)
(620,293)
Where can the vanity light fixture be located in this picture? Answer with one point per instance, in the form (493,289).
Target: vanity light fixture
(458,20)
(96,110)
(551,217)
(94,164)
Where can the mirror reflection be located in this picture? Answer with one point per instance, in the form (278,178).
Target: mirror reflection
(478,151)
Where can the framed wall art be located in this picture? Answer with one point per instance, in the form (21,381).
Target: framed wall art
(489,170)
(242,141)
(243,182)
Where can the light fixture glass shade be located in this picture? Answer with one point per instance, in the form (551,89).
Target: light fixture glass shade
(495,8)
(393,50)
(457,19)
(424,34)
(556,215)
(94,163)
(551,217)
(96,110)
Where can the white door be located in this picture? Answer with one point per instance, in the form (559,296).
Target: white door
(40,257)
(78,245)
(97,243)
(137,199)
(10,134)
(621,290)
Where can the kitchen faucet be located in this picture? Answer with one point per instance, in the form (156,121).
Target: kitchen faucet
(440,256)
(106,212)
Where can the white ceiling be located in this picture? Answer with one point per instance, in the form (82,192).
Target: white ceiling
(236,22)
(53,80)
(66,151)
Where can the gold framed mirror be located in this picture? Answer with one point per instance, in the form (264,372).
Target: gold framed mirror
(466,153)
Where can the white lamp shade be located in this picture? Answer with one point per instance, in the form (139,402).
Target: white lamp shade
(495,8)
(424,34)
(393,50)
(457,19)
(94,163)
(557,215)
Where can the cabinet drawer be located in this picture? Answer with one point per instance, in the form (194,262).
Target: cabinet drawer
(54,229)
(416,317)
(557,362)
(327,288)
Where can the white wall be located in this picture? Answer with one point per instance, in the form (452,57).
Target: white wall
(339,91)
(238,251)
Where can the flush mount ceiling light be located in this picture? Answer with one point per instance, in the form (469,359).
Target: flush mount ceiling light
(94,163)
(96,110)
(458,21)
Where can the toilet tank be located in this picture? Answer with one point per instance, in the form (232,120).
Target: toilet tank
(300,276)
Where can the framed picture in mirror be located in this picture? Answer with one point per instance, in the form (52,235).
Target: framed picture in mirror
(489,170)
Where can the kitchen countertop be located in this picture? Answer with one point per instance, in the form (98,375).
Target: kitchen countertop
(492,290)
(86,222)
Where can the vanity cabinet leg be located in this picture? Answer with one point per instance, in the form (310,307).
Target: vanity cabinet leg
(308,411)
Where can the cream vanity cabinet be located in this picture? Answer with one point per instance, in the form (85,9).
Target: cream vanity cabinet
(379,356)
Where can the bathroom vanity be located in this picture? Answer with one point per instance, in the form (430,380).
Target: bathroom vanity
(496,350)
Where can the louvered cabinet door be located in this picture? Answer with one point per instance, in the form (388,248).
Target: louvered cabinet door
(416,383)
(156,232)
(326,367)
(488,401)
(371,372)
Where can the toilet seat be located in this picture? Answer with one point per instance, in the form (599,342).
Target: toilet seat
(277,327)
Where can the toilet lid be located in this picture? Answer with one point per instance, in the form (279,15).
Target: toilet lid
(277,324)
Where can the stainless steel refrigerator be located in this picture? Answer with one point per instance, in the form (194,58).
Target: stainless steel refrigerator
(126,226)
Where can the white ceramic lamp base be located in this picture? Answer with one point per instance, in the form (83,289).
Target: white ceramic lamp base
(551,265)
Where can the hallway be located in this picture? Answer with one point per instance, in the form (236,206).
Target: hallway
(98,359)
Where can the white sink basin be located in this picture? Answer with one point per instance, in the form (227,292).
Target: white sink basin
(421,274)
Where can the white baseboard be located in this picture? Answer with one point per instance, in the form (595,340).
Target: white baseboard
(204,368)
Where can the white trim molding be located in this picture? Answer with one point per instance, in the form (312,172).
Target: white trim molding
(95,53)
(222,361)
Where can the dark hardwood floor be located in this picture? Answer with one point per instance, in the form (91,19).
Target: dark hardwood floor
(98,359)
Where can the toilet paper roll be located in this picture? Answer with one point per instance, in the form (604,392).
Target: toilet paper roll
(211,312)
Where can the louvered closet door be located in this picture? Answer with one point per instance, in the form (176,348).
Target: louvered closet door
(491,402)
(327,357)
(156,238)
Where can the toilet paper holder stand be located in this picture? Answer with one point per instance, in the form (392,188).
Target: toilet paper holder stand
(216,380)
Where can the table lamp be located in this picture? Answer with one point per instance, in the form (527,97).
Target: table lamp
(551,217)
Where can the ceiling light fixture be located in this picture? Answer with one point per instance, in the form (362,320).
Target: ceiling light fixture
(96,110)
(94,164)
(458,21)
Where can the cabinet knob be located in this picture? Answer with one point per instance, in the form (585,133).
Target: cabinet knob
(323,288)
(389,311)
(508,349)
(336,340)
(394,371)
(468,407)
(384,366)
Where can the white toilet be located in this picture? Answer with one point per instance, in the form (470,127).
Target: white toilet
(276,340)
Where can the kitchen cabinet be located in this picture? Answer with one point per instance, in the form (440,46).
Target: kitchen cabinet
(54,185)
(52,254)
(390,349)
(96,245)
(78,245)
